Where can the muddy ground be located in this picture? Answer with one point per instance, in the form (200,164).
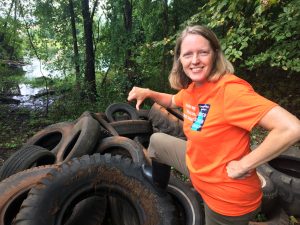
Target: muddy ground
(15,128)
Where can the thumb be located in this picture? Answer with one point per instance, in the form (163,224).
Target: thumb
(138,103)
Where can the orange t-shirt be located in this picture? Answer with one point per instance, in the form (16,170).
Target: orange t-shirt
(217,119)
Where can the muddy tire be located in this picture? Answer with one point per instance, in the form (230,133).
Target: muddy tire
(165,122)
(121,111)
(106,125)
(188,203)
(92,176)
(142,140)
(143,114)
(82,140)
(284,171)
(15,189)
(122,212)
(132,128)
(94,206)
(52,137)
(121,146)
(270,192)
(27,157)
(106,129)
(176,112)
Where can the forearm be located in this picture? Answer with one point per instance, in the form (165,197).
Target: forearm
(162,99)
(284,131)
(273,145)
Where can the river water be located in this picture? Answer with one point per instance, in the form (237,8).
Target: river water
(26,93)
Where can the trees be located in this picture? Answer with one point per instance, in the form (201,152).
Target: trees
(10,38)
(260,38)
(130,42)
(75,43)
(256,34)
(89,50)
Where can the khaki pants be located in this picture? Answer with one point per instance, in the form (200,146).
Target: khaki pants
(171,151)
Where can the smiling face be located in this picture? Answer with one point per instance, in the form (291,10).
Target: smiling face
(197,58)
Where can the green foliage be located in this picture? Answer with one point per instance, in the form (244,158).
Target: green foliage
(256,34)
(10,39)
(149,62)
(9,80)
(72,103)
(293,220)
(260,37)
(260,217)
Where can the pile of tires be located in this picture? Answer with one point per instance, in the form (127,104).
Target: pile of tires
(88,172)
(281,177)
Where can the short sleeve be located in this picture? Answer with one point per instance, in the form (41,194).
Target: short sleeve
(243,107)
(178,98)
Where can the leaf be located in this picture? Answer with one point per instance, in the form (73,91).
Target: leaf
(293,220)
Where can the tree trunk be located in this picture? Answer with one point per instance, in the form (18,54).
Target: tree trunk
(89,51)
(14,35)
(75,45)
(128,63)
(164,61)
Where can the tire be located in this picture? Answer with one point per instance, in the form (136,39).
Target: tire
(176,112)
(143,140)
(189,204)
(106,129)
(81,141)
(92,176)
(284,171)
(94,206)
(52,137)
(278,217)
(270,192)
(99,117)
(143,114)
(121,146)
(27,157)
(165,122)
(15,189)
(122,212)
(131,128)
(125,111)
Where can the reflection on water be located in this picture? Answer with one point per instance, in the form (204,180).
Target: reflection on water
(27,90)
(25,93)
(37,69)
(27,97)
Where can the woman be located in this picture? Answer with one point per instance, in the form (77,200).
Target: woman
(219,111)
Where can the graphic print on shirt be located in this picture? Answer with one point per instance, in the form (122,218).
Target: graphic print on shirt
(200,119)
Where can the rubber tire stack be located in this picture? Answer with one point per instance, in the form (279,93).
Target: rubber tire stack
(93,160)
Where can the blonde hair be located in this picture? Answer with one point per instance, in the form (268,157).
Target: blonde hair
(178,79)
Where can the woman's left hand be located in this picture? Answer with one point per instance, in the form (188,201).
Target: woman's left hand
(236,171)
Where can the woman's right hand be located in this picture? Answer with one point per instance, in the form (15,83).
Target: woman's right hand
(140,94)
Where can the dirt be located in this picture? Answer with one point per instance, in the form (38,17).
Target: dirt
(15,128)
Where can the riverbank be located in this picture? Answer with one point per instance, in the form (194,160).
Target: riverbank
(16,126)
